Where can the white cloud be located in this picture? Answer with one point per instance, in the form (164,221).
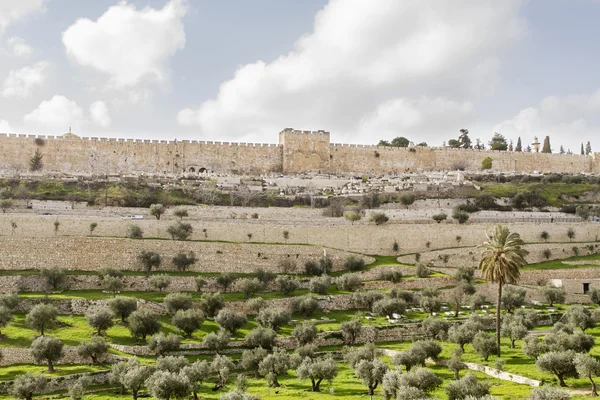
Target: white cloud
(568,120)
(59,113)
(13,10)
(19,47)
(4,126)
(21,82)
(361,63)
(99,114)
(127,44)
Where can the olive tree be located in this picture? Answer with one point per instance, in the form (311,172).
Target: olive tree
(512,298)
(216,341)
(273,317)
(388,307)
(456,364)
(134,377)
(5,317)
(27,385)
(370,373)
(467,386)
(197,373)
(41,317)
(230,320)
(350,330)
(249,287)
(94,349)
(183,261)
(160,282)
(122,307)
(225,280)
(559,363)
(212,303)
(319,284)
(580,317)
(188,321)
(54,277)
(273,365)
(162,344)
(177,301)
(142,323)
(485,344)
(588,367)
(164,385)
(549,393)
(305,333)
(305,305)
(180,230)
(222,366)
(47,349)
(554,295)
(251,359)
(149,260)
(100,319)
(287,284)
(317,370)
(157,210)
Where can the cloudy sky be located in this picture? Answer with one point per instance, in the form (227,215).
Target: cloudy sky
(243,70)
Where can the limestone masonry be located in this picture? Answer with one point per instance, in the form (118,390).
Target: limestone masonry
(297,152)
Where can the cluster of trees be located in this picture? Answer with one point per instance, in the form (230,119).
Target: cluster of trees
(399,141)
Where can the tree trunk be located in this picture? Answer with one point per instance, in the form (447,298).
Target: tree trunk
(512,343)
(594,391)
(561,380)
(371,390)
(42,330)
(498,303)
(50,366)
(318,388)
(275,381)
(456,375)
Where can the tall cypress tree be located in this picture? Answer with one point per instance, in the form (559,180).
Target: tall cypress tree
(582,151)
(518,147)
(546,147)
(588,148)
(35,162)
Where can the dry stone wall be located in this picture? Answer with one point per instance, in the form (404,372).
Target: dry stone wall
(334,233)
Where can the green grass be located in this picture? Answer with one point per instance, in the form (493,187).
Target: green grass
(558,263)
(553,192)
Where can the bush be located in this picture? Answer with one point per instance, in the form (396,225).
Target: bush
(422,271)
(468,208)
(486,163)
(354,263)
(392,275)
(323,266)
(348,282)
(134,232)
(352,216)
(379,218)
(180,231)
(461,216)
(319,284)
(439,217)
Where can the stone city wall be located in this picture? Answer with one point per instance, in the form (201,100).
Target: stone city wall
(297,152)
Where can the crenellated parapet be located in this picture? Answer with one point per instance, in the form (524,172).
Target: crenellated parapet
(298,151)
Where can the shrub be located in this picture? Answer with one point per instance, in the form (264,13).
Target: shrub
(547,253)
(422,271)
(352,216)
(549,393)
(180,231)
(319,284)
(571,234)
(486,163)
(354,263)
(392,275)
(287,265)
(134,232)
(461,216)
(348,282)
(439,217)
(55,277)
(379,218)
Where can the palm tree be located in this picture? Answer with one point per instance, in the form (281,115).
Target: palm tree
(501,258)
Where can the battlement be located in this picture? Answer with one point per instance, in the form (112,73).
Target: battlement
(298,151)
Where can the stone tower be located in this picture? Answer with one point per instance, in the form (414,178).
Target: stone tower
(305,151)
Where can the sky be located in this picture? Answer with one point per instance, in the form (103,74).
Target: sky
(241,70)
